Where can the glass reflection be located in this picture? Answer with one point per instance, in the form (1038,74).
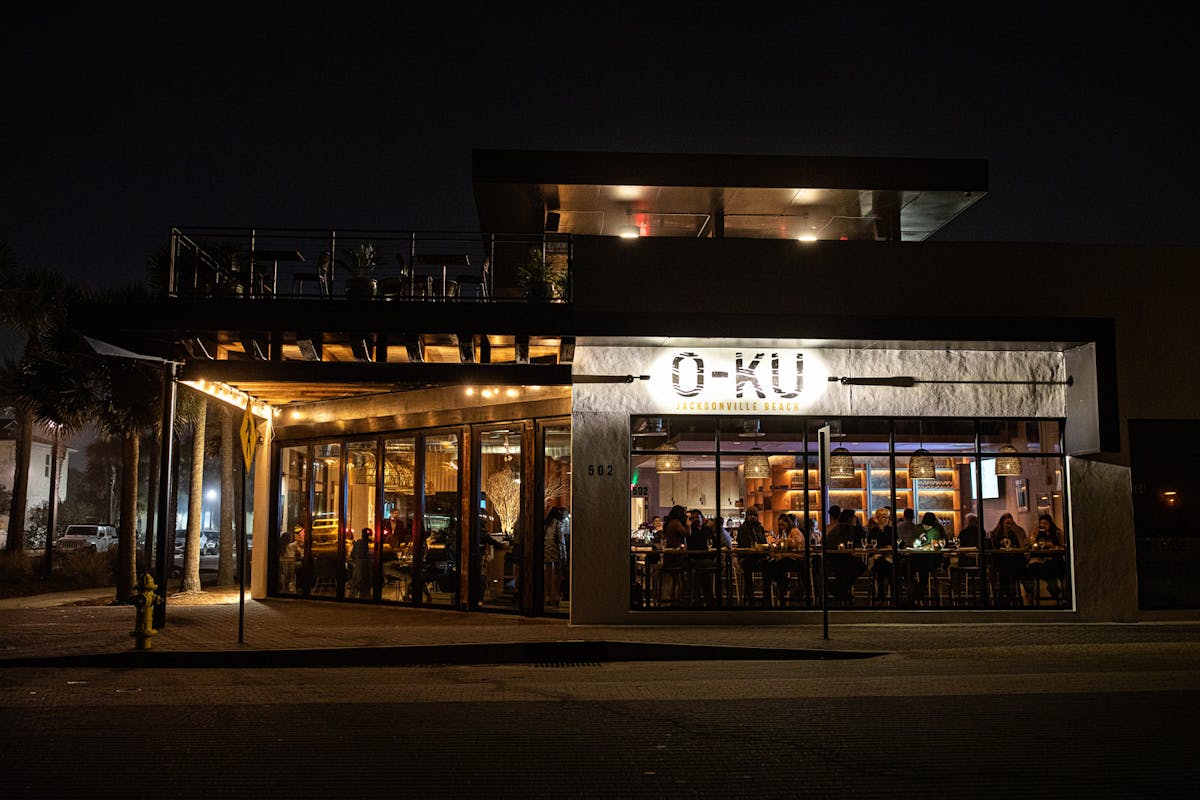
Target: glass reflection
(442,531)
(361,474)
(556,494)
(501,536)
(293,518)
(328,544)
(399,527)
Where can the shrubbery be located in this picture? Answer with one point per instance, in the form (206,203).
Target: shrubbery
(22,574)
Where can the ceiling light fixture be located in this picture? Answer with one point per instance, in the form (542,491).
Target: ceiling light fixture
(1007,463)
(841,463)
(920,464)
(757,465)
(668,462)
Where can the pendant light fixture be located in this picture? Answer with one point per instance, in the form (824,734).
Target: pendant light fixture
(1007,463)
(920,464)
(841,463)
(667,461)
(757,464)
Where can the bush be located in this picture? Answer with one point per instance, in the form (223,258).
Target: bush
(83,569)
(17,575)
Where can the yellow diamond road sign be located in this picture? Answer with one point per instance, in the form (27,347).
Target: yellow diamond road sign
(249,434)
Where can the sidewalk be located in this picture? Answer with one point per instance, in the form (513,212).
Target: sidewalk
(202,631)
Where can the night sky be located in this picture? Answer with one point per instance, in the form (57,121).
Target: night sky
(122,122)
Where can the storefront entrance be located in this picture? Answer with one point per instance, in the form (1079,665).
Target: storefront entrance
(473,517)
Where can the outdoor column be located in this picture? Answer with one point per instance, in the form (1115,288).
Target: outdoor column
(261,487)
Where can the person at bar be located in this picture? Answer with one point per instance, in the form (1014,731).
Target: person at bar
(1006,541)
(751,540)
(788,558)
(1045,563)
(842,567)
(879,537)
(702,565)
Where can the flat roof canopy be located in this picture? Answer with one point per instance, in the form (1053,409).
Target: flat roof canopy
(735,196)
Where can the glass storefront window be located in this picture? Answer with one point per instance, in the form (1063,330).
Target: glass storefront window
(500,505)
(556,494)
(909,540)
(442,529)
(361,479)
(293,518)
(935,435)
(328,544)
(1032,436)
(399,527)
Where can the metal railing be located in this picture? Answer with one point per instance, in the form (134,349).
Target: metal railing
(281,263)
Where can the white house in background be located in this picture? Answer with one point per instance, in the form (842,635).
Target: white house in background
(39,467)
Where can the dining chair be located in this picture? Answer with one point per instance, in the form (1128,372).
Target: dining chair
(478,280)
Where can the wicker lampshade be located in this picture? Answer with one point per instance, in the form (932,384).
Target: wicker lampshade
(667,462)
(757,464)
(841,463)
(1007,463)
(920,465)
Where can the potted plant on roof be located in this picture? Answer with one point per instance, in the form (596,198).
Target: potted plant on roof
(360,282)
(541,278)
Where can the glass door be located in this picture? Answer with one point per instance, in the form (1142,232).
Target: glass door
(440,524)
(503,530)
(555,468)
(361,534)
(399,531)
(328,548)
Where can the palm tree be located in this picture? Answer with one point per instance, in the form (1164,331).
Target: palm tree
(193,409)
(32,302)
(225,561)
(128,393)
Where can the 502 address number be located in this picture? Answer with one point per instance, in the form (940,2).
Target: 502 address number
(604,470)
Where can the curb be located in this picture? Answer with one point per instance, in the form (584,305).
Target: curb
(564,653)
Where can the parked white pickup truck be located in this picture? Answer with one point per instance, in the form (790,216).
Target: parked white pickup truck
(80,537)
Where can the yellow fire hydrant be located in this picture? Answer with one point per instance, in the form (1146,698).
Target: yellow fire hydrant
(143,603)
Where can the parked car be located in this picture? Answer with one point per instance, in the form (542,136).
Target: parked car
(100,538)
(209,542)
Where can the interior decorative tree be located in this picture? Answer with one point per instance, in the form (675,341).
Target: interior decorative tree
(504,490)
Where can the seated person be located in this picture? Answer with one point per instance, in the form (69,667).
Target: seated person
(751,535)
(878,536)
(842,567)
(1043,566)
(787,560)
(701,563)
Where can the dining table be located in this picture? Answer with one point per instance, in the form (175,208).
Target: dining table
(443,262)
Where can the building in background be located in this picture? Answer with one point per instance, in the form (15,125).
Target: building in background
(39,468)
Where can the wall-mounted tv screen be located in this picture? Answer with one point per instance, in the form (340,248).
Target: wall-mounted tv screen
(991,484)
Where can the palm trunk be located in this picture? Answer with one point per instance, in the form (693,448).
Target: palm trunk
(152,499)
(225,560)
(127,531)
(20,499)
(191,550)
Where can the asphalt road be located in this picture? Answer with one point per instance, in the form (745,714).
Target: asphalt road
(1098,721)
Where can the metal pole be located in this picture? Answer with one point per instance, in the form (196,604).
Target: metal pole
(166,553)
(823,439)
(52,513)
(242,562)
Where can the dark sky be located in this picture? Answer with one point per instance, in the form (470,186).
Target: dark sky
(122,122)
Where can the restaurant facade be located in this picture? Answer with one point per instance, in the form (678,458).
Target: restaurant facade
(732,336)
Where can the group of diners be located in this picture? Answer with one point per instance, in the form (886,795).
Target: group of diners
(779,567)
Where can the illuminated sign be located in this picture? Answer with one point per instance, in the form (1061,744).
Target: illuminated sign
(757,380)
